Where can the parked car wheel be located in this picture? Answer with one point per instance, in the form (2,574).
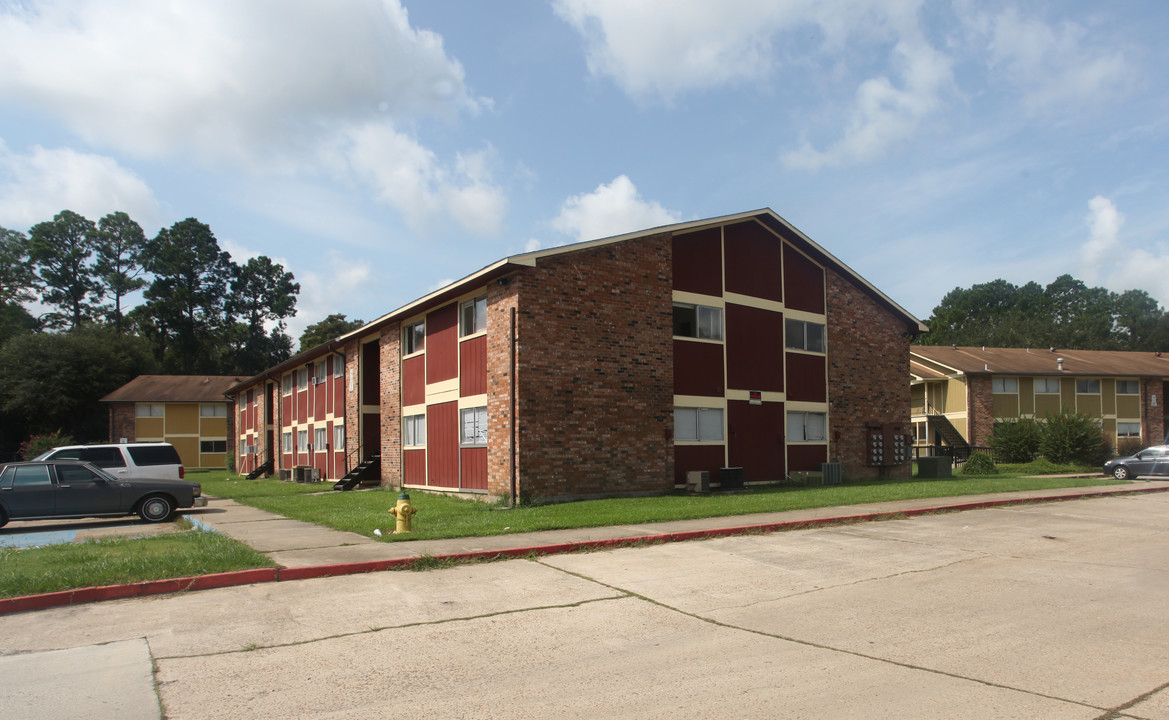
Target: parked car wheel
(1120,472)
(156,508)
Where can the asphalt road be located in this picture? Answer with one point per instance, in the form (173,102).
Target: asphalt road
(1042,611)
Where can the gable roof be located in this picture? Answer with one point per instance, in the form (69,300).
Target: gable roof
(935,361)
(174,388)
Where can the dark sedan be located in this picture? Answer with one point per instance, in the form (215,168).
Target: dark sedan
(73,489)
(1150,461)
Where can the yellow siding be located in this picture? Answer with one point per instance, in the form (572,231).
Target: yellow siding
(213,428)
(917,398)
(212,460)
(956,393)
(1067,392)
(148,428)
(1108,396)
(182,419)
(936,395)
(1026,396)
(1128,406)
(188,448)
(1006,406)
(1089,405)
(1108,425)
(1046,405)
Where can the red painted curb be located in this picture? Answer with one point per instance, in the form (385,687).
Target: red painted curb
(261,575)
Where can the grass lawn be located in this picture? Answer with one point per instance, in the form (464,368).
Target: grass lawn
(444,516)
(31,571)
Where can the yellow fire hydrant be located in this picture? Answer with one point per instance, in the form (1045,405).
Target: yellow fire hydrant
(403,511)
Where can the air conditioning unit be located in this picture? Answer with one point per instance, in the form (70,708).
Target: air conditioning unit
(831,473)
(698,481)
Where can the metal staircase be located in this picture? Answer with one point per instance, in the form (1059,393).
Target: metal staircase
(949,433)
(265,468)
(367,473)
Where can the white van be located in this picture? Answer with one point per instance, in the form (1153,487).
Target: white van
(126,460)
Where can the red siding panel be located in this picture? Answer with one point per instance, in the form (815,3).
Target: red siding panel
(442,344)
(698,262)
(806,457)
(414,467)
(698,368)
(442,442)
(754,339)
(473,366)
(474,468)
(698,457)
(803,282)
(756,439)
(754,261)
(807,378)
(414,380)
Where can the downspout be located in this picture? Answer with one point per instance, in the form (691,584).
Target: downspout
(511,422)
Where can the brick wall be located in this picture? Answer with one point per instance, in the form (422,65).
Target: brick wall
(868,354)
(595,373)
(979,410)
(1153,425)
(501,300)
(122,422)
(390,359)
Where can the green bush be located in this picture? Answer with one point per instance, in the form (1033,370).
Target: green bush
(229,461)
(1129,446)
(38,444)
(979,464)
(1016,441)
(1070,437)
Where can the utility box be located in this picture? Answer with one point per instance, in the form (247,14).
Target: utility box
(730,478)
(886,445)
(831,473)
(698,481)
(935,466)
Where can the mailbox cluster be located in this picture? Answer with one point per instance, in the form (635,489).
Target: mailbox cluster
(887,445)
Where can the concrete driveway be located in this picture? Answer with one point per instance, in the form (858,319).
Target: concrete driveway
(1042,611)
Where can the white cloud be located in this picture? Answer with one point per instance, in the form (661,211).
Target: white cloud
(37,185)
(1104,221)
(1106,257)
(610,210)
(319,290)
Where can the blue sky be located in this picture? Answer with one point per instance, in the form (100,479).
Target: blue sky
(380,149)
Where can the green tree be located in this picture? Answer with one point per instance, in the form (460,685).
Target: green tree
(322,332)
(184,314)
(263,296)
(61,250)
(55,381)
(18,282)
(120,244)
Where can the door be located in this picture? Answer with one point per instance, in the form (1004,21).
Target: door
(81,491)
(28,491)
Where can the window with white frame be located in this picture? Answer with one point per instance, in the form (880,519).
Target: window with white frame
(414,338)
(1128,387)
(698,424)
(286,384)
(1128,429)
(473,429)
(213,410)
(319,372)
(302,441)
(807,426)
(473,316)
(698,321)
(414,430)
(150,410)
(321,441)
(804,335)
(338,366)
(1046,386)
(243,401)
(1004,385)
(286,442)
(338,437)
(1088,387)
(302,378)
(243,447)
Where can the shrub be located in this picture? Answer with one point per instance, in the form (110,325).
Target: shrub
(229,461)
(979,464)
(1016,441)
(38,444)
(1129,446)
(1070,437)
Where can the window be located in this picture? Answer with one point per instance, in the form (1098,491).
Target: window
(1088,387)
(319,373)
(76,475)
(338,437)
(321,441)
(286,442)
(160,454)
(473,316)
(1128,387)
(286,384)
(1004,385)
(243,447)
(338,366)
(474,426)
(302,378)
(302,441)
(698,321)
(414,430)
(1047,386)
(31,475)
(806,427)
(243,401)
(1128,429)
(698,424)
(414,338)
(152,409)
(801,335)
(212,446)
(213,410)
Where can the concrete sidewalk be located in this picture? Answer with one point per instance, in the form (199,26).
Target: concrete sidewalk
(296,544)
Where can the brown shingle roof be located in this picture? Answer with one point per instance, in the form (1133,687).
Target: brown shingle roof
(174,388)
(1043,361)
